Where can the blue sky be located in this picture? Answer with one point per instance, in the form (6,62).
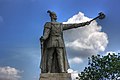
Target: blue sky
(22,21)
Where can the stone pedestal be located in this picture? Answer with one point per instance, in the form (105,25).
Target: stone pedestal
(55,76)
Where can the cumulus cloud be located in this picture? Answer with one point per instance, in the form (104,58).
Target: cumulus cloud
(76,60)
(9,73)
(74,74)
(85,41)
(1,19)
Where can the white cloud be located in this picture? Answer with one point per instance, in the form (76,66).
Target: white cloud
(9,73)
(85,41)
(74,74)
(76,60)
(118,78)
(1,19)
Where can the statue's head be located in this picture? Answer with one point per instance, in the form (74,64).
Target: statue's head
(52,15)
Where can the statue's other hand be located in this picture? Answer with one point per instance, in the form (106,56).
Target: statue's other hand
(41,39)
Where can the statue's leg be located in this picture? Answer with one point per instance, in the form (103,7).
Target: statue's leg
(50,52)
(60,59)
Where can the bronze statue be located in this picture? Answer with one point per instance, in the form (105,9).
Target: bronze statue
(53,54)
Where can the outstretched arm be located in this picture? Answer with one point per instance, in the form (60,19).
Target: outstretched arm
(75,25)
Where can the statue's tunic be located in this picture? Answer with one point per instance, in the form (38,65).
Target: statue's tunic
(53,35)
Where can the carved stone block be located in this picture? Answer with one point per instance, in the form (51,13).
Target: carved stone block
(55,76)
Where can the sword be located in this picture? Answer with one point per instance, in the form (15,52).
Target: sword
(41,43)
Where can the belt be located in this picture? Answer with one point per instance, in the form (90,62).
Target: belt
(56,35)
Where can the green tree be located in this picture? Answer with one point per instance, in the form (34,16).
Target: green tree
(102,68)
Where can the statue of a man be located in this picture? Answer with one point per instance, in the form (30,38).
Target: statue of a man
(53,57)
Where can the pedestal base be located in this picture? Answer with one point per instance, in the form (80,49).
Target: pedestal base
(55,76)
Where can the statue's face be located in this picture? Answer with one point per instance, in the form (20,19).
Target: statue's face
(54,17)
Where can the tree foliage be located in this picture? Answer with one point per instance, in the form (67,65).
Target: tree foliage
(102,68)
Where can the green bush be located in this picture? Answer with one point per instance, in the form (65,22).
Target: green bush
(102,68)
